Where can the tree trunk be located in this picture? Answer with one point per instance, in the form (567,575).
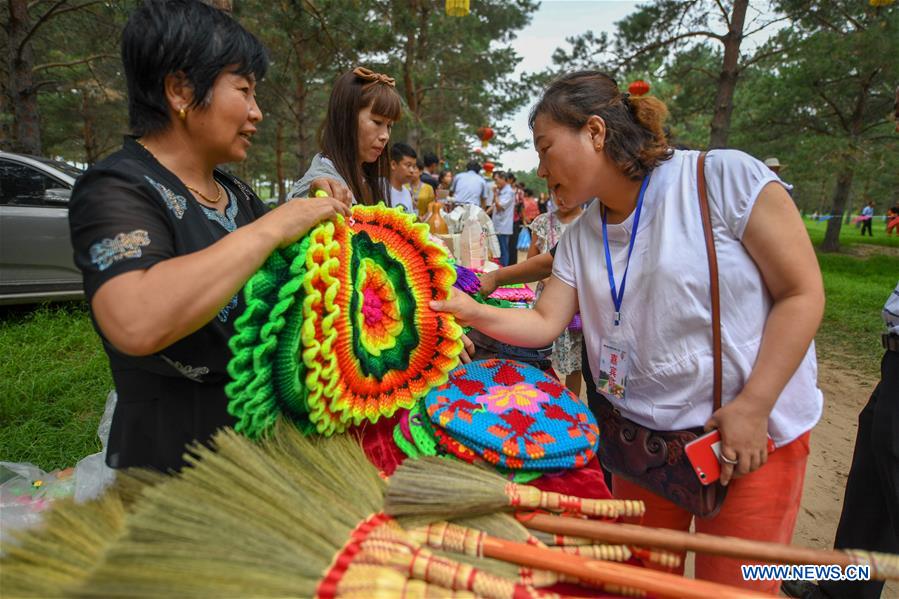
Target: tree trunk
(303,153)
(5,106)
(844,179)
(727,79)
(88,132)
(279,162)
(840,197)
(21,83)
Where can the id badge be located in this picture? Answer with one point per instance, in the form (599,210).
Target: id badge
(613,370)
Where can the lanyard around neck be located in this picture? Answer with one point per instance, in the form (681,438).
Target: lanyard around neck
(618,295)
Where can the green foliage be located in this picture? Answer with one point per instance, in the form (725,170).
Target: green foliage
(532,181)
(824,107)
(455,75)
(53,384)
(856,290)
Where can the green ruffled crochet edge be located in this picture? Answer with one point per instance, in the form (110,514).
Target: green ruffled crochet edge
(256,394)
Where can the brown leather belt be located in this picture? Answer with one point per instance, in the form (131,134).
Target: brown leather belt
(890,341)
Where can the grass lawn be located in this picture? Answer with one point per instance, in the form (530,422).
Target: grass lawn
(54,376)
(850,235)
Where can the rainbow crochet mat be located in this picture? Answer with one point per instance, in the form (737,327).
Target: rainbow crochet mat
(415,437)
(338,329)
(512,415)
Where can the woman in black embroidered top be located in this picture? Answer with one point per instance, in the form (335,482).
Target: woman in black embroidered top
(165,240)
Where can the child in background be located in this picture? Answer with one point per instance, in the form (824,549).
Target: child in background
(546,230)
(403,160)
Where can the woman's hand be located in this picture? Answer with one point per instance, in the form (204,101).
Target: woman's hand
(488,283)
(465,309)
(468,350)
(333,188)
(292,220)
(743,425)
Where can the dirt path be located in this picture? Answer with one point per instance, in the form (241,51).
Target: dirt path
(832,443)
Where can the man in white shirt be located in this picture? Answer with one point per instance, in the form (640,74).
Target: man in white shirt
(402,172)
(469,187)
(503,208)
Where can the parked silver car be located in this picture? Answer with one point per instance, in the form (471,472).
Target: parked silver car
(35,248)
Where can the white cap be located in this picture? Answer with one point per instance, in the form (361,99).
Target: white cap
(772,162)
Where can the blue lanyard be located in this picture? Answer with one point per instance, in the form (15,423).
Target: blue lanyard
(618,296)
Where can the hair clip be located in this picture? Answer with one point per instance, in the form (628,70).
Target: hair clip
(372,77)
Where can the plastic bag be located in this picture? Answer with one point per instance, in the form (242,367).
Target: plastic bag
(26,491)
(524,240)
(92,475)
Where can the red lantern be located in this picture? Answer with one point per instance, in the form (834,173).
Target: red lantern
(485,134)
(638,88)
(488,167)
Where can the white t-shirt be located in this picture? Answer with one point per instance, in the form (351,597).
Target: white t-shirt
(502,214)
(666,311)
(401,198)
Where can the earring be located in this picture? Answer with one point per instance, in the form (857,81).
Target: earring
(182,114)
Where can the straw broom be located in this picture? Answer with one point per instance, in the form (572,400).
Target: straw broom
(72,538)
(883,566)
(30,571)
(268,521)
(243,521)
(440,492)
(444,489)
(451,489)
(588,547)
(469,542)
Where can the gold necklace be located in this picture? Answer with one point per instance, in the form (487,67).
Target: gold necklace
(215,200)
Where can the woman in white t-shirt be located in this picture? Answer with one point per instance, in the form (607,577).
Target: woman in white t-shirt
(595,141)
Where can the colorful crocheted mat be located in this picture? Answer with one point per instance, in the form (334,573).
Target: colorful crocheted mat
(338,329)
(514,293)
(415,438)
(513,415)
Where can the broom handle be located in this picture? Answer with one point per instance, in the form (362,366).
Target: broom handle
(656,583)
(676,540)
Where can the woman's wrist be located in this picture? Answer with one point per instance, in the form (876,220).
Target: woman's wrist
(756,402)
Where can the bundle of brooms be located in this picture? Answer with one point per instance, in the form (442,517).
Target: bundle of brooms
(433,489)
(289,516)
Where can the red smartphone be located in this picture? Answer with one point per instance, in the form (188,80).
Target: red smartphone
(704,454)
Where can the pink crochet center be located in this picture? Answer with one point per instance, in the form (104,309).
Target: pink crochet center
(372,307)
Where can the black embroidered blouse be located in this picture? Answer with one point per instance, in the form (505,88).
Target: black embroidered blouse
(127,213)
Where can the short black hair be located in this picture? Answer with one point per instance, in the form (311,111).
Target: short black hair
(399,150)
(167,37)
(473,165)
(430,158)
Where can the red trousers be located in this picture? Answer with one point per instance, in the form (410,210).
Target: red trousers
(762,506)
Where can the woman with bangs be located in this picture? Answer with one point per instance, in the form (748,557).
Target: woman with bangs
(165,239)
(362,110)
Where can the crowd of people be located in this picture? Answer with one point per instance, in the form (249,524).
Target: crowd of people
(166,239)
